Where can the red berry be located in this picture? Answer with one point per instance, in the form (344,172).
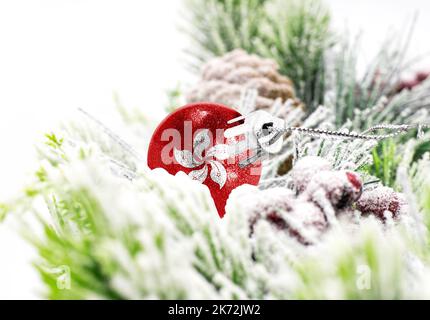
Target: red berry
(341,188)
(300,219)
(411,83)
(306,168)
(379,201)
(422,75)
(407,84)
(354,179)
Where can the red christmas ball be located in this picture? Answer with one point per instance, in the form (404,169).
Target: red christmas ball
(191,139)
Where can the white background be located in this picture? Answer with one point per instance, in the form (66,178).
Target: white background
(57,55)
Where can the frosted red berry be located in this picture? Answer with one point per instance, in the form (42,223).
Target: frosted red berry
(354,179)
(306,168)
(341,188)
(380,201)
(286,213)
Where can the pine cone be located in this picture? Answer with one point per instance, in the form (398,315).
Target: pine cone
(224,78)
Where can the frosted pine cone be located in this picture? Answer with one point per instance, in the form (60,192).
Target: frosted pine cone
(224,79)
(381,201)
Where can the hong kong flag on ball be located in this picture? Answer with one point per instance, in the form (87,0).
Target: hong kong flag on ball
(191,139)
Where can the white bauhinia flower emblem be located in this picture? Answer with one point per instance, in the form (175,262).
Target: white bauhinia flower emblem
(195,159)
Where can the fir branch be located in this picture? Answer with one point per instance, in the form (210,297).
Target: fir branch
(293,33)
(219,26)
(362,98)
(158,237)
(386,160)
(297,38)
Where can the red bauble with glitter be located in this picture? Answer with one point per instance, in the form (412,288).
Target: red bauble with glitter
(191,139)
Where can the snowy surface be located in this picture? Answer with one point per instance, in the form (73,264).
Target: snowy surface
(58,55)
